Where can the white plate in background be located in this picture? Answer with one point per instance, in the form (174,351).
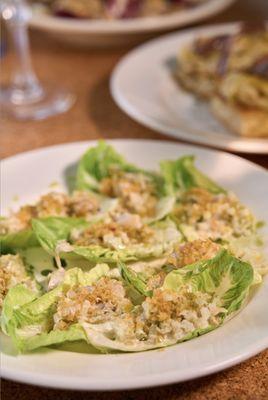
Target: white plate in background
(240,338)
(143,86)
(90,32)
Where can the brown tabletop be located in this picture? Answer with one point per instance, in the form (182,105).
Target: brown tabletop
(95,115)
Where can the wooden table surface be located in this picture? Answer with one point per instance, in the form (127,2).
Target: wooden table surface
(95,115)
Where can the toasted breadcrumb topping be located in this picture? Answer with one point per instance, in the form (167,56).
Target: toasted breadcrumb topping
(167,315)
(135,191)
(56,204)
(215,216)
(170,315)
(96,303)
(191,252)
(166,304)
(12,272)
(119,231)
(83,204)
(156,280)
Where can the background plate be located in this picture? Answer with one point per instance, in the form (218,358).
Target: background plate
(118,32)
(153,97)
(242,337)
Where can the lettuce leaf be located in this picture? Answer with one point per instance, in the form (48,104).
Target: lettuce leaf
(38,262)
(252,250)
(95,254)
(133,253)
(163,208)
(21,283)
(41,264)
(98,336)
(132,279)
(38,310)
(49,231)
(28,319)
(224,276)
(20,240)
(181,175)
(16,297)
(53,234)
(166,234)
(73,334)
(95,165)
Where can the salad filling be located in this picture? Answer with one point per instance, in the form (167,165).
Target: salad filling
(187,302)
(191,252)
(136,192)
(79,204)
(205,215)
(12,273)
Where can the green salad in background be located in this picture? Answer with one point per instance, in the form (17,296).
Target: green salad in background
(129,259)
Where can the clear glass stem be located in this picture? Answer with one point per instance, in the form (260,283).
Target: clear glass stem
(25,85)
(25,98)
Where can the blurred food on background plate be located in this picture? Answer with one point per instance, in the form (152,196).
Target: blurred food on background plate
(230,71)
(114,9)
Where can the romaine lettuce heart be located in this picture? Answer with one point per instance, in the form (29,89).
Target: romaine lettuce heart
(181,175)
(96,165)
(227,277)
(27,317)
(53,235)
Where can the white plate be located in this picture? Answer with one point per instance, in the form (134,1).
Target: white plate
(143,86)
(118,32)
(26,175)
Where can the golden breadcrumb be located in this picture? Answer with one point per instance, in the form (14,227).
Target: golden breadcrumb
(12,272)
(191,252)
(167,304)
(136,192)
(91,303)
(113,234)
(83,204)
(156,280)
(53,203)
(214,215)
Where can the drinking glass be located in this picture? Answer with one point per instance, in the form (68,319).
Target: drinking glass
(25,97)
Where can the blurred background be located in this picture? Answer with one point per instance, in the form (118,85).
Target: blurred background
(84,70)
